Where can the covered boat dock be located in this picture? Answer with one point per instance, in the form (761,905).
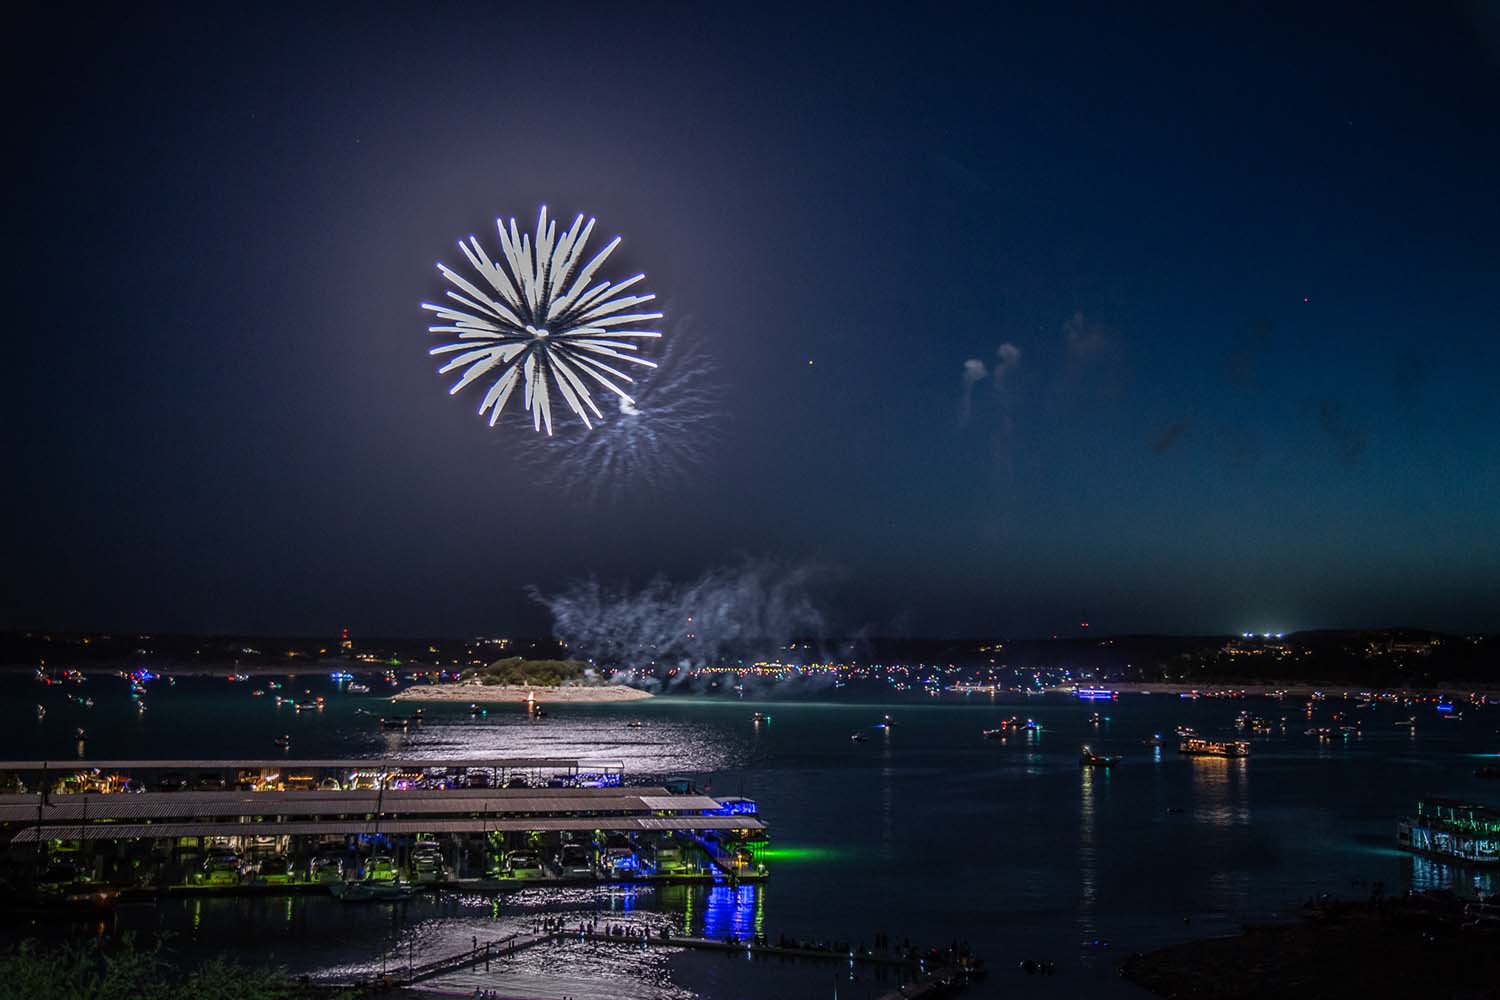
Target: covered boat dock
(112,824)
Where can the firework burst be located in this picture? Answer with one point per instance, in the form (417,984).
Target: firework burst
(654,441)
(543,318)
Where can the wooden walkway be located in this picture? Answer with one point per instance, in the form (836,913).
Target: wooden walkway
(926,979)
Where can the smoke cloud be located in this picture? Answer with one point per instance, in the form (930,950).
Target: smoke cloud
(743,613)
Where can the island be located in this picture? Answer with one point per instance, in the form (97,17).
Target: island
(515,679)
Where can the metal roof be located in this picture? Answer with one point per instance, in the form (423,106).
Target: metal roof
(194,805)
(623,824)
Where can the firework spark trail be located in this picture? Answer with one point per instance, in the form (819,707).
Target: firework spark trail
(545,318)
(655,441)
(757,607)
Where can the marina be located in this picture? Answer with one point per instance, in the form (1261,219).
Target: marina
(345,903)
(276,827)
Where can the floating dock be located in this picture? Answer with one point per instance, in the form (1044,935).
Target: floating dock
(297,826)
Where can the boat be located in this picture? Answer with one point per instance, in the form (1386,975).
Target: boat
(1154,740)
(283,741)
(1186,731)
(41,713)
(886,723)
(634,724)
(369,892)
(1452,831)
(1194,746)
(858,738)
(760,717)
(1096,720)
(1090,759)
(398,723)
(357,688)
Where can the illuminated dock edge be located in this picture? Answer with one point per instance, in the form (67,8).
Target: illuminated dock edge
(580,823)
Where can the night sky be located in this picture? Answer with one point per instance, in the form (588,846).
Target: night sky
(1246,262)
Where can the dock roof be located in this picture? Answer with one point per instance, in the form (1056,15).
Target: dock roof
(506,802)
(616,824)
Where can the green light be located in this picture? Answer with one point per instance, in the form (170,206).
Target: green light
(797,854)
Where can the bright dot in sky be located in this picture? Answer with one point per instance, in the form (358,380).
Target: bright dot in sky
(546,317)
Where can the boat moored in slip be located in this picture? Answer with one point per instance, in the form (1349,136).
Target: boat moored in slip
(1194,746)
(369,892)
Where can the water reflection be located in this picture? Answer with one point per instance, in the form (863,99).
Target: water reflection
(1427,873)
(1088,855)
(1221,790)
(736,910)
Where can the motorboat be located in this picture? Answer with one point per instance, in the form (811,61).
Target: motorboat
(370,892)
(1090,759)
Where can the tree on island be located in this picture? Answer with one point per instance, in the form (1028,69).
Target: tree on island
(517,672)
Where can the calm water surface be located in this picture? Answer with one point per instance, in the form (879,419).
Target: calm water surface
(924,831)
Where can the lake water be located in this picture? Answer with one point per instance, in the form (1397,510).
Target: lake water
(925,830)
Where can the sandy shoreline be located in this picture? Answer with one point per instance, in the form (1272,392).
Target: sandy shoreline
(512,694)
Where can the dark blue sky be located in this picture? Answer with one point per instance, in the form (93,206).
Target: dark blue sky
(1248,256)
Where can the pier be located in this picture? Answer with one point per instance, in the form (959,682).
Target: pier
(929,971)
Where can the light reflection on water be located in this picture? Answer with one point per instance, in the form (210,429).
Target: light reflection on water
(1427,873)
(928,831)
(1220,790)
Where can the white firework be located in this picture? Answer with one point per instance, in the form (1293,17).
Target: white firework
(655,441)
(544,319)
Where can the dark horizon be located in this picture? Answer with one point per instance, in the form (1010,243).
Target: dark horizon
(1179,322)
(1084,636)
